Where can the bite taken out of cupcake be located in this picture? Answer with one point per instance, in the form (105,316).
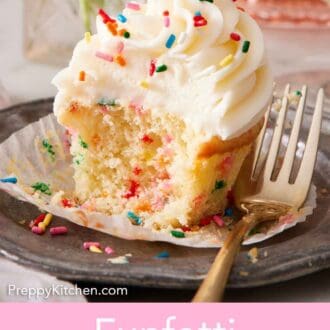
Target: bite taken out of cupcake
(163,105)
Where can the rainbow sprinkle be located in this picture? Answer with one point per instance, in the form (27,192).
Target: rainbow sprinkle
(112,28)
(9,180)
(42,187)
(161,68)
(144,84)
(177,234)
(126,35)
(82,76)
(133,6)
(132,216)
(105,17)
(235,36)
(108,250)
(104,56)
(162,255)
(170,41)
(120,47)
(246,46)
(200,21)
(120,60)
(229,212)
(87,245)
(152,68)
(219,221)
(88,37)
(121,18)
(55,231)
(95,249)
(227,60)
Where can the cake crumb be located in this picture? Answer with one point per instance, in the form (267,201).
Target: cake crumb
(324,191)
(244,273)
(266,254)
(253,255)
(121,260)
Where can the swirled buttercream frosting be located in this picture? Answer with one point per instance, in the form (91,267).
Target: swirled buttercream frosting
(201,60)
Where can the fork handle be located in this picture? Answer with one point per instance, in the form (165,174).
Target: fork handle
(213,286)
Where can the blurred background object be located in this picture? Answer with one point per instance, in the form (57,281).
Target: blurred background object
(289,12)
(52,28)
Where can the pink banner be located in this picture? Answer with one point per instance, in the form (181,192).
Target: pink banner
(164,316)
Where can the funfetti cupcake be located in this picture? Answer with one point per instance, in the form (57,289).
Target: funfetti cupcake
(163,105)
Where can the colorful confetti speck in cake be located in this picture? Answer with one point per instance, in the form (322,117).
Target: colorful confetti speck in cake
(178,234)
(132,216)
(82,143)
(49,148)
(220,184)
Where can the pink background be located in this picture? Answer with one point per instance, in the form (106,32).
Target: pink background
(139,316)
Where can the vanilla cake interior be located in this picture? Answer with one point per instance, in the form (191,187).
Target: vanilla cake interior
(152,168)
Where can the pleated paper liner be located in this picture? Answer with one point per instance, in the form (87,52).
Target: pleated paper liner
(39,153)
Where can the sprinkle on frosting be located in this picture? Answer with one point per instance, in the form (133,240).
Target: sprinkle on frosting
(233,100)
(105,17)
(121,18)
(170,41)
(167,20)
(235,36)
(246,46)
(133,6)
(104,56)
(112,27)
(82,76)
(120,60)
(88,37)
(152,68)
(200,21)
(144,84)
(42,187)
(227,60)
(120,47)
(126,35)
(161,68)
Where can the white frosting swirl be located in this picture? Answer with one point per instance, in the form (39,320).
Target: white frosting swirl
(213,99)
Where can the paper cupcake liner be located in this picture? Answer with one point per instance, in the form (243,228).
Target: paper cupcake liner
(25,156)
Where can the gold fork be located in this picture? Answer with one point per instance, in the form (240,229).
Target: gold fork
(261,197)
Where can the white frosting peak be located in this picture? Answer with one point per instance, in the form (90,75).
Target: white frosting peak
(216,87)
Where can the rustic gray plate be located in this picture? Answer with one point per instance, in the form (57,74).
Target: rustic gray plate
(301,250)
